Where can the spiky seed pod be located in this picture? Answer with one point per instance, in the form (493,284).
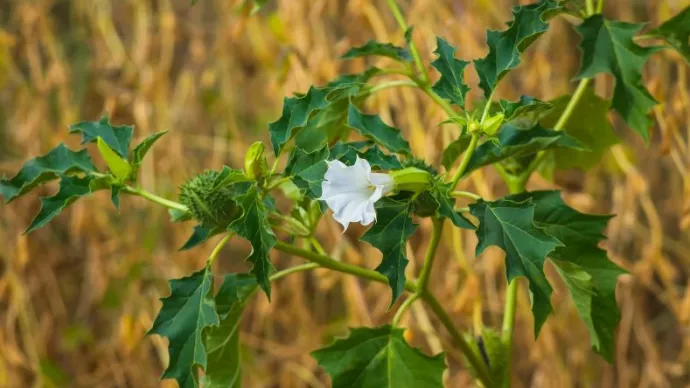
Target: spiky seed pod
(212,207)
(413,161)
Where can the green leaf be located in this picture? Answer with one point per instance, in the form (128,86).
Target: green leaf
(581,233)
(71,189)
(117,137)
(119,167)
(182,319)
(525,112)
(115,195)
(676,32)
(608,47)
(514,142)
(140,151)
(451,85)
(505,47)
(373,47)
(441,194)
(379,357)
(179,216)
(199,235)
(253,225)
(595,133)
(348,152)
(308,169)
(454,150)
(372,127)
(229,176)
(389,234)
(510,226)
(56,163)
(223,342)
(296,113)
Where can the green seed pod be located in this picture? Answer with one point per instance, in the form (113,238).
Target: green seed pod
(411,179)
(255,165)
(213,208)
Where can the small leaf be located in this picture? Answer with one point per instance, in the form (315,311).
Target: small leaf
(179,215)
(115,196)
(451,85)
(117,137)
(505,47)
(143,148)
(510,226)
(442,196)
(119,167)
(676,32)
(229,176)
(379,357)
(71,189)
(373,127)
(199,235)
(454,150)
(184,316)
(595,133)
(308,169)
(223,342)
(389,234)
(56,163)
(253,225)
(372,48)
(525,112)
(608,47)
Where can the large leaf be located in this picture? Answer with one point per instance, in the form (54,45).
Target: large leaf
(373,47)
(377,358)
(296,113)
(59,161)
(371,126)
(223,342)
(451,85)
(525,112)
(510,226)
(182,319)
(390,233)
(588,124)
(253,225)
(581,233)
(676,32)
(505,47)
(608,47)
(308,169)
(348,152)
(117,137)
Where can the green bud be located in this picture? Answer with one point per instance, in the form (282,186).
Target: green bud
(492,124)
(255,165)
(474,127)
(411,179)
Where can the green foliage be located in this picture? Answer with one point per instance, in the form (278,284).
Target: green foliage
(379,357)
(455,149)
(223,342)
(199,235)
(120,168)
(389,234)
(209,203)
(371,126)
(348,152)
(451,85)
(185,314)
(59,162)
(510,226)
(490,348)
(441,194)
(676,32)
(525,112)
(505,47)
(140,151)
(595,132)
(374,48)
(308,169)
(608,47)
(253,225)
(296,113)
(117,137)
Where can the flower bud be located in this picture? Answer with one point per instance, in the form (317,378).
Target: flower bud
(492,124)
(411,179)
(255,165)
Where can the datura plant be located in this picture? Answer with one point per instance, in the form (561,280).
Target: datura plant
(343,163)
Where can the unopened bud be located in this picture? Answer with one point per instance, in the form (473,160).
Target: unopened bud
(254,161)
(411,179)
(492,124)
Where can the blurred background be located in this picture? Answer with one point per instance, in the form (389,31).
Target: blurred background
(78,296)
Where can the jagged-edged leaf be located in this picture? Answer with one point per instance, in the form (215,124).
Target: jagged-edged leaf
(451,85)
(223,342)
(253,225)
(525,112)
(510,226)
(373,47)
(296,113)
(117,137)
(505,47)
(348,152)
(389,234)
(117,165)
(441,194)
(588,124)
(184,316)
(308,169)
(454,150)
(59,161)
(581,233)
(379,357)
(228,176)
(71,189)
(676,32)
(514,142)
(608,47)
(140,151)
(372,127)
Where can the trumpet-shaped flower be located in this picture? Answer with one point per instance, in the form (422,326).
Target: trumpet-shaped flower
(351,191)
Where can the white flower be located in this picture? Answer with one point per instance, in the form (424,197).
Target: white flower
(352,191)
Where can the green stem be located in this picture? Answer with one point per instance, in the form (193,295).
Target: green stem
(465,160)
(465,194)
(425,274)
(397,14)
(391,84)
(277,183)
(291,270)
(218,248)
(600,6)
(487,107)
(154,198)
(401,311)
(509,313)
(590,7)
(438,99)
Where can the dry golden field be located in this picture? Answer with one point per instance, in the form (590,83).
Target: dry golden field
(78,296)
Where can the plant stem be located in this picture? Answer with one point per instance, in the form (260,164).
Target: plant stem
(487,107)
(154,198)
(509,313)
(401,311)
(600,6)
(413,48)
(291,270)
(425,274)
(590,7)
(391,84)
(218,248)
(465,160)
(339,266)
(465,194)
